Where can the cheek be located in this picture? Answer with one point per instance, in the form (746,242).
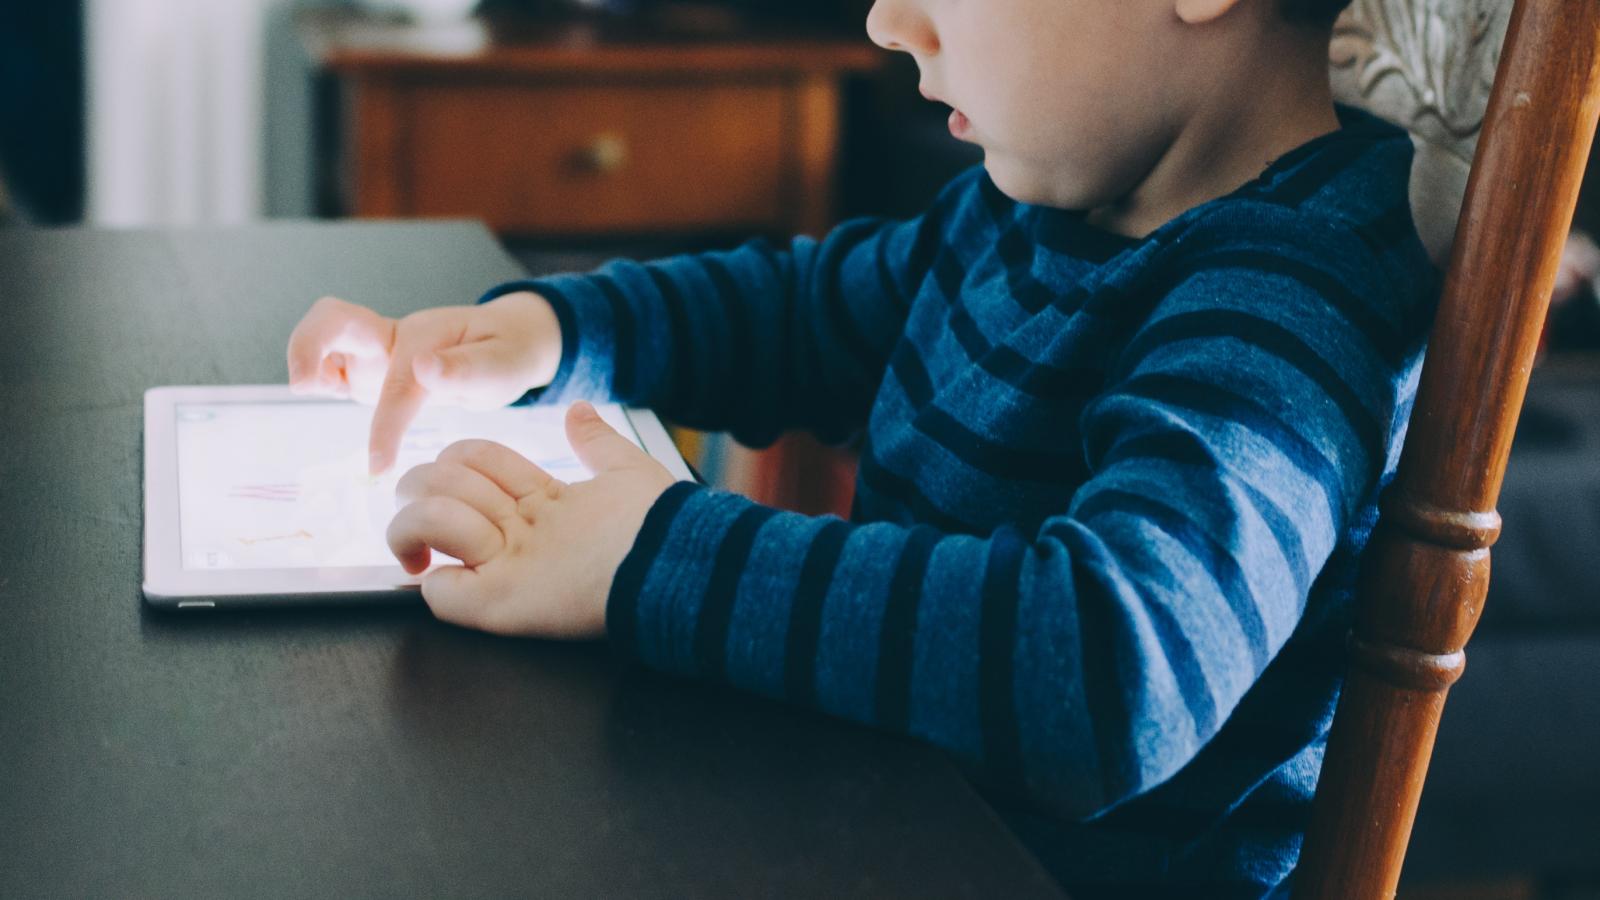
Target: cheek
(1059,149)
(1035,99)
(1081,135)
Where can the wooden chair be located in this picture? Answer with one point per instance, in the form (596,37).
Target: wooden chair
(1423,63)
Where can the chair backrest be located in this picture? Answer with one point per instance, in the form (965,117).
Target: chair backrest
(1423,63)
(1427,65)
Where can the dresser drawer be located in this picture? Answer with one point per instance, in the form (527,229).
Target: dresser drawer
(600,157)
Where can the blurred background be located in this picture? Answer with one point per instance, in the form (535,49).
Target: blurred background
(567,126)
(578,130)
(166,112)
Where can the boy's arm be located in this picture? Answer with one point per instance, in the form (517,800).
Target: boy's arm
(753,341)
(1089,660)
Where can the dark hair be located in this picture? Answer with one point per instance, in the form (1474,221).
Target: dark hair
(1312,12)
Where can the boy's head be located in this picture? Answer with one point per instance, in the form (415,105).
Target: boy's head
(1076,102)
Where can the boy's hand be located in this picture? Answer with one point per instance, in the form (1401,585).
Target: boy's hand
(481,357)
(538,555)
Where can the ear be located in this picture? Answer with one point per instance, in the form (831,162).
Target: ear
(1202,12)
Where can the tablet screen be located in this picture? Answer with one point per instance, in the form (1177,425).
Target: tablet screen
(285,485)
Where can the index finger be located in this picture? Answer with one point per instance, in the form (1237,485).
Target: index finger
(511,471)
(399,401)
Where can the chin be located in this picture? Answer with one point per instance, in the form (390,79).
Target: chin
(1025,186)
(1008,180)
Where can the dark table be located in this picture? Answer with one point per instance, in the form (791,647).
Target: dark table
(366,752)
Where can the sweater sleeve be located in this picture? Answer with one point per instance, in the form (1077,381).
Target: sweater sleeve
(1084,662)
(753,341)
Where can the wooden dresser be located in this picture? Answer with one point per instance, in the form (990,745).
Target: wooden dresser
(579,129)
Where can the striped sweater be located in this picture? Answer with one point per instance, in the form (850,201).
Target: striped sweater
(1111,498)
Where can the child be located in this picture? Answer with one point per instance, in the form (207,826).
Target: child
(1128,391)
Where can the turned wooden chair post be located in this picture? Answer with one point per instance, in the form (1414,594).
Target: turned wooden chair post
(1428,565)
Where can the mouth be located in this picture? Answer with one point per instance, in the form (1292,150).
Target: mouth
(960,125)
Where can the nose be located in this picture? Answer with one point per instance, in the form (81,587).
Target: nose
(902,25)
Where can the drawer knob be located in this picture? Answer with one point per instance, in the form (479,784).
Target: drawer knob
(606,154)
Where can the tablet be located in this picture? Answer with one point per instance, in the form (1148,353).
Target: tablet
(257,497)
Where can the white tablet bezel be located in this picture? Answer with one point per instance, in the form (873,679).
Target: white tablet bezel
(168,584)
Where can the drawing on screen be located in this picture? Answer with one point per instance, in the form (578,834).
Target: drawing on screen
(282,493)
(559,464)
(301,535)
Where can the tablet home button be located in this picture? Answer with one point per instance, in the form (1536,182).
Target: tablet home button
(201,604)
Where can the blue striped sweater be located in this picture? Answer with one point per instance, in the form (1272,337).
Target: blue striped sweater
(1111,500)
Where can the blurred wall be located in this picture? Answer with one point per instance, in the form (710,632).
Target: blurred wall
(288,163)
(197,112)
